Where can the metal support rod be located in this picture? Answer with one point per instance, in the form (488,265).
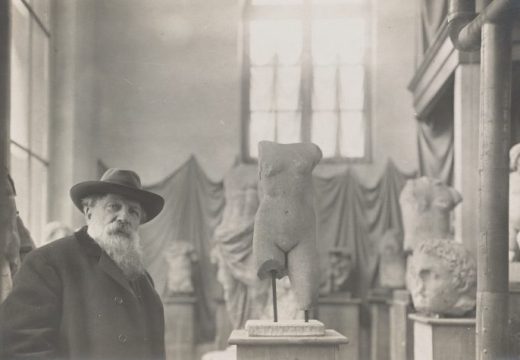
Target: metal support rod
(275,303)
(5,24)
(465,26)
(494,143)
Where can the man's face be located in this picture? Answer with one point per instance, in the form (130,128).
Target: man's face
(432,284)
(113,222)
(115,214)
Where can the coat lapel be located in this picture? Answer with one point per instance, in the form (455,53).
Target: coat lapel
(108,266)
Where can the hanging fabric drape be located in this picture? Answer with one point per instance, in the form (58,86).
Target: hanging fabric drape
(192,210)
(351,215)
(433,14)
(435,141)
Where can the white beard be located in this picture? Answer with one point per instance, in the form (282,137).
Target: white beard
(122,244)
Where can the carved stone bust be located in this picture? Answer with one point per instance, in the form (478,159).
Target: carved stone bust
(442,278)
(392,261)
(426,205)
(180,258)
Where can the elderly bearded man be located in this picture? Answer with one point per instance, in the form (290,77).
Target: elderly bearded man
(88,296)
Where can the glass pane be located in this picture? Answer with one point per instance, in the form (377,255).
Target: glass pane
(39,92)
(262,91)
(323,132)
(352,143)
(288,92)
(20,175)
(268,38)
(20,73)
(338,40)
(324,88)
(38,199)
(41,8)
(288,127)
(261,127)
(352,88)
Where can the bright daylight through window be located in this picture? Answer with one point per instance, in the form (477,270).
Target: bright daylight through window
(305,75)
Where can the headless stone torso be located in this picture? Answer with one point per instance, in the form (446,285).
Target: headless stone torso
(284,240)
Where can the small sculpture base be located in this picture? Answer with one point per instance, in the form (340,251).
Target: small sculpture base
(441,338)
(324,347)
(285,328)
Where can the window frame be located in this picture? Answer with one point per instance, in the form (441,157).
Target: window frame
(320,11)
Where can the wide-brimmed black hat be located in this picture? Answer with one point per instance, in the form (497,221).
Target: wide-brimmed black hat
(121,182)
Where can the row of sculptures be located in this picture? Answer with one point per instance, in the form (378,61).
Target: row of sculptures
(439,273)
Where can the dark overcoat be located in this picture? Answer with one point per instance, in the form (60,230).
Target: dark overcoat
(71,301)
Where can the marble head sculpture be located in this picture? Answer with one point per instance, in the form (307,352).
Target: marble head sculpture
(514,204)
(443,278)
(284,239)
(425,206)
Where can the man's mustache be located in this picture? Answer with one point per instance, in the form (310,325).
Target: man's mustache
(119,227)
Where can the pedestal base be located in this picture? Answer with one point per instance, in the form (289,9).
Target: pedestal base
(324,347)
(179,318)
(401,327)
(440,339)
(341,313)
(379,324)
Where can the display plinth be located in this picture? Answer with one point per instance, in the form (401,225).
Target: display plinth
(442,338)
(379,323)
(401,327)
(179,316)
(284,347)
(341,312)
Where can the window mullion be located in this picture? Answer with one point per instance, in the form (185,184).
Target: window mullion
(306,83)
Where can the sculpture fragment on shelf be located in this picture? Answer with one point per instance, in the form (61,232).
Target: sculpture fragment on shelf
(180,257)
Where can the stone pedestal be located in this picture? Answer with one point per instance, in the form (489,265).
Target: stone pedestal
(341,313)
(401,327)
(379,324)
(179,318)
(223,325)
(440,339)
(285,343)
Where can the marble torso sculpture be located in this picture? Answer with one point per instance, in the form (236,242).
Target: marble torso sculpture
(392,261)
(284,239)
(514,204)
(180,258)
(425,205)
(336,276)
(443,279)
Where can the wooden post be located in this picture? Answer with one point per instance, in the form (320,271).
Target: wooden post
(494,139)
(5,25)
